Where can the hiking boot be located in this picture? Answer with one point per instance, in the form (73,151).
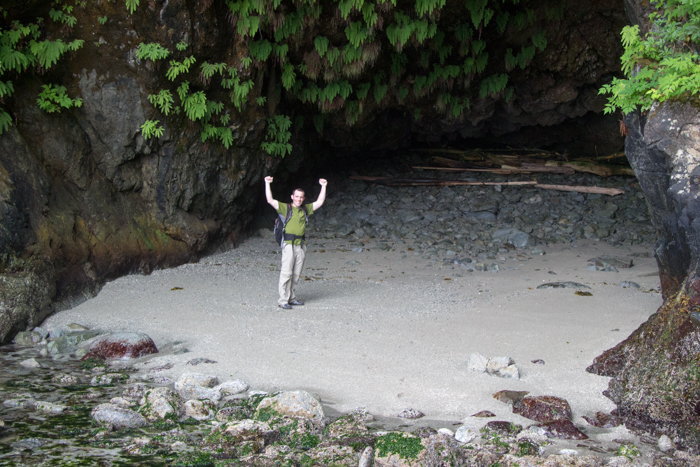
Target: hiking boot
(296,302)
(285,306)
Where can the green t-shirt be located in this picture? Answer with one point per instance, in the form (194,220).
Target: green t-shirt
(297,222)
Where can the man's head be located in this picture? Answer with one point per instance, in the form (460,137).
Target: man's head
(298,198)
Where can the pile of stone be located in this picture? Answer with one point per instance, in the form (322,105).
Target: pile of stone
(475,222)
(99,410)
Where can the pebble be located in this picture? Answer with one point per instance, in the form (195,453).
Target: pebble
(411,414)
(666,444)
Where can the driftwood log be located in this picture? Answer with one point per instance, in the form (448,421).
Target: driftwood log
(527,161)
(438,182)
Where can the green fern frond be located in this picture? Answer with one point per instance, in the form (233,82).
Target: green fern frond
(5,121)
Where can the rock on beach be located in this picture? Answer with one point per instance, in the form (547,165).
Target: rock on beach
(121,345)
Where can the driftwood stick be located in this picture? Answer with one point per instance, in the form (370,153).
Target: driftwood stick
(582,189)
(437,182)
(432,181)
(507,170)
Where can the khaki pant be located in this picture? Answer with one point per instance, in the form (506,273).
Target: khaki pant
(292,264)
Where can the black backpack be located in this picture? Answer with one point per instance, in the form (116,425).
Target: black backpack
(281,223)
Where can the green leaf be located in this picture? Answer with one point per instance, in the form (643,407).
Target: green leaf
(131,5)
(5,121)
(150,129)
(321,44)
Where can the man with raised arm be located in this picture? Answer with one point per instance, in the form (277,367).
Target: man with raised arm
(293,247)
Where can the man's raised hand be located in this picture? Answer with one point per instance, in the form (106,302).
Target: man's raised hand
(268,179)
(323,182)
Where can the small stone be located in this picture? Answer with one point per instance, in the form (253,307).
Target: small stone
(497,364)
(197,361)
(158,403)
(511,371)
(628,285)
(563,285)
(484,414)
(568,452)
(477,363)
(232,387)
(23,403)
(122,402)
(196,379)
(539,361)
(30,363)
(504,427)
(50,407)
(411,414)
(179,446)
(604,420)
(509,397)
(117,416)
(543,408)
(446,432)
(366,458)
(562,429)
(27,338)
(467,434)
(666,444)
(198,410)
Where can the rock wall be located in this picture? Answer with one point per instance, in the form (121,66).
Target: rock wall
(656,371)
(84,199)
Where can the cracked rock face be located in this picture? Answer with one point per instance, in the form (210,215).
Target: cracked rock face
(654,372)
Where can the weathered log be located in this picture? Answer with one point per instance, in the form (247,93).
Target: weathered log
(582,189)
(507,170)
(431,181)
(594,168)
(438,182)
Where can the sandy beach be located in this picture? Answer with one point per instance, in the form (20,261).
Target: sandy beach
(387,330)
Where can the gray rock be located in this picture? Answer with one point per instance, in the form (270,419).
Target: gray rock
(232,387)
(666,444)
(118,417)
(158,403)
(50,407)
(197,386)
(196,379)
(467,434)
(628,285)
(30,363)
(477,363)
(198,410)
(69,341)
(366,458)
(295,404)
(20,403)
(563,285)
(29,444)
(515,237)
(27,338)
(411,414)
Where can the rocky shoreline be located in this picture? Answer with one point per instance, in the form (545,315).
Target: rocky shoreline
(65,404)
(69,401)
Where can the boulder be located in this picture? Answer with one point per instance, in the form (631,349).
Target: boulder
(118,417)
(121,345)
(294,404)
(543,408)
